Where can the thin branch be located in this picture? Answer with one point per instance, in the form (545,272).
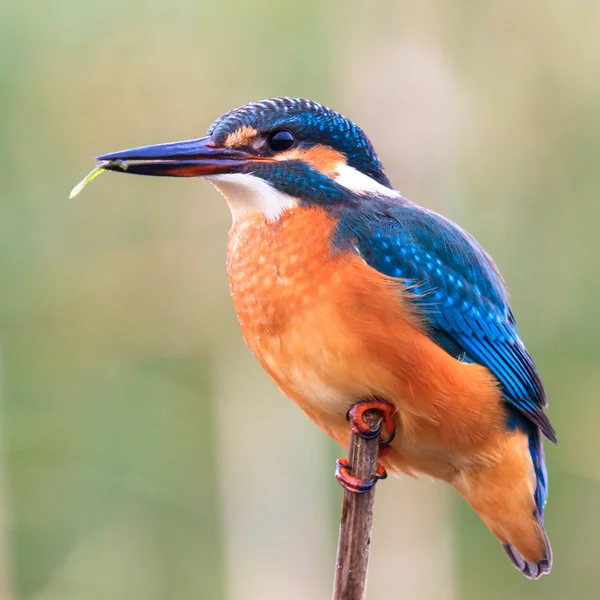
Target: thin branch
(350,581)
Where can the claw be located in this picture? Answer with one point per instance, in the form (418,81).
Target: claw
(356,414)
(381,473)
(353,484)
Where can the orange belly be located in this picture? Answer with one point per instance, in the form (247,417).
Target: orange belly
(330,331)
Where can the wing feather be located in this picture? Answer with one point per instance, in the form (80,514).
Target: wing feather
(455,286)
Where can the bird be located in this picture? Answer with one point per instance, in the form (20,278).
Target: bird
(352,297)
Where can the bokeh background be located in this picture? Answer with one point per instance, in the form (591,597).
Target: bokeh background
(143,453)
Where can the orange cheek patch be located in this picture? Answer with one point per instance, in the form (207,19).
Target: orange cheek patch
(323,158)
(241,137)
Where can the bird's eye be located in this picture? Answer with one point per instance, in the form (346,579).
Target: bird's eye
(281,140)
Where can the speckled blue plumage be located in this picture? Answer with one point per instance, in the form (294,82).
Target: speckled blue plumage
(456,287)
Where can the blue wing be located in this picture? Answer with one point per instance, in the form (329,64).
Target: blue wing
(455,286)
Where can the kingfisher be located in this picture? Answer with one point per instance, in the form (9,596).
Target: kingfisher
(354,298)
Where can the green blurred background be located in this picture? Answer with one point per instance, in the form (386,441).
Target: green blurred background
(144,455)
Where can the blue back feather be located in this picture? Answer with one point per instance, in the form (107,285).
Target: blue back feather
(455,286)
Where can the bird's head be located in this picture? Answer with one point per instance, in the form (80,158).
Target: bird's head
(269,156)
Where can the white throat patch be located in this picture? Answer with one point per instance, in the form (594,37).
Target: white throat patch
(246,193)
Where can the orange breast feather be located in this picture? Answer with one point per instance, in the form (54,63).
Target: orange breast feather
(330,330)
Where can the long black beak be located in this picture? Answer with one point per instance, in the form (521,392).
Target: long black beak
(192,158)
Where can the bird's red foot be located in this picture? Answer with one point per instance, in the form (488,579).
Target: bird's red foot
(356,415)
(353,484)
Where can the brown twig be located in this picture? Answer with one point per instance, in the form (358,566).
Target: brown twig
(350,581)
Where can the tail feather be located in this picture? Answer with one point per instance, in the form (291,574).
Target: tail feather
(534,570)
(531,570)
(509,495)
